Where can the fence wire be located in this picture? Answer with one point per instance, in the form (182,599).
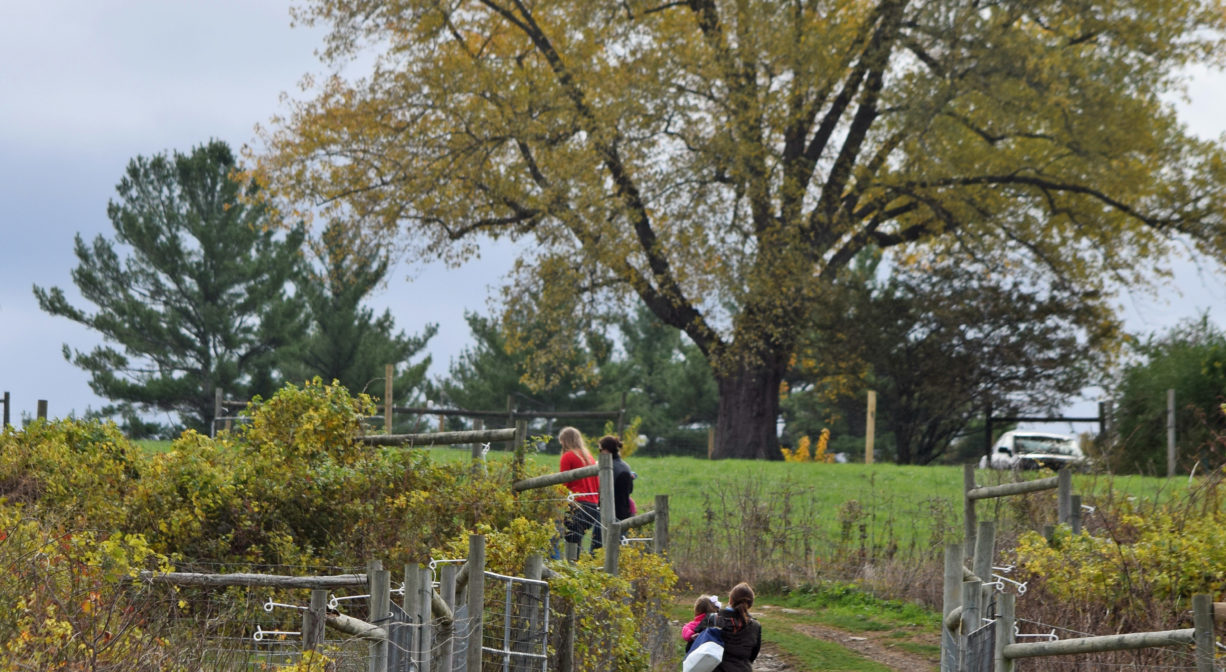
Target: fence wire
(241,628)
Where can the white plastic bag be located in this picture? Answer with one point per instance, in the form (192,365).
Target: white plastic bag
(703,657)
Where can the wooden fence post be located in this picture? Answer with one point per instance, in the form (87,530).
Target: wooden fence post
(42,409)
(7,402)
(510,410)
(1106,423)
(566,639)
(659,536)
(314,619)
(1005,604)
(521,440)
(710,442)
(380,608)
(610,535)
(411,603)
(870,427)
(388,372)
(1075,513)
(218,410)
(1202,621)
(422,602)
(1064,496)
(1170,433)
(446,589)
(971,591)
(534,569)
(985,548)
(987,429)
(476,601)
(949,602)
(621,415)
(478,452)
(968,508)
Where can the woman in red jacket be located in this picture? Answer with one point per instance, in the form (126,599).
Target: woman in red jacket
(585,510)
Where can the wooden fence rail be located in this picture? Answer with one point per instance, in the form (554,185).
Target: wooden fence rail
(440,438)
(1201,635)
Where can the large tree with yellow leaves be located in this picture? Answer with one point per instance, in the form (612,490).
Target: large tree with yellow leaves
(721,161)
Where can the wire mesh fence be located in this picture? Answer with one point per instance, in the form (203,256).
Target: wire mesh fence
(236,628)
(243,627)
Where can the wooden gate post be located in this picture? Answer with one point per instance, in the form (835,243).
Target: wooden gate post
(42,409)
(7,402)
(476,601)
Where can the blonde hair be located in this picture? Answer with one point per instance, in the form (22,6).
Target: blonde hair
(572,441)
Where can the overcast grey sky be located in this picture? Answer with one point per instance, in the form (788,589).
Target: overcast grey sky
(86,85)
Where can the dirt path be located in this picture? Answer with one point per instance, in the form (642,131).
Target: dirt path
(879,647)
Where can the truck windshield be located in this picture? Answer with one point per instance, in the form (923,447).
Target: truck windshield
(1043,444)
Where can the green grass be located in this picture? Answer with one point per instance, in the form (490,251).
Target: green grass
(816,654)
(907,505)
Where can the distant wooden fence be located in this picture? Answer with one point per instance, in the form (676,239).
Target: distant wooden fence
(224,411)
(7,402)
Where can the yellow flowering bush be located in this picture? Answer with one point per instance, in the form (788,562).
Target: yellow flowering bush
(801,452)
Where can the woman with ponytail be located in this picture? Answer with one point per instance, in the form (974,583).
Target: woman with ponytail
(742,634)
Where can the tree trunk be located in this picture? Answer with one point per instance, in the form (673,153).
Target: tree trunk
(749,411)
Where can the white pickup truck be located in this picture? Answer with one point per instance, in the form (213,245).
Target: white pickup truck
(1021,449)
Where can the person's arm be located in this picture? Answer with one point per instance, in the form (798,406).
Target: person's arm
(757,645)
(690,630)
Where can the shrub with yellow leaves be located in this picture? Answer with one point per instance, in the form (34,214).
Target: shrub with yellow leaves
(801,452)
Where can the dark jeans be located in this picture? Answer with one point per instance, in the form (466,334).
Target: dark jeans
(583,515)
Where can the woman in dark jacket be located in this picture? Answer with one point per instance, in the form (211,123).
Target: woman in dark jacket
(742,634)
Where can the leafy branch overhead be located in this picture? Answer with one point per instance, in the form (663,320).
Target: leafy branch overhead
(722,162)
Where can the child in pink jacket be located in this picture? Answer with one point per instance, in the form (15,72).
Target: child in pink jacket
(704,605)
